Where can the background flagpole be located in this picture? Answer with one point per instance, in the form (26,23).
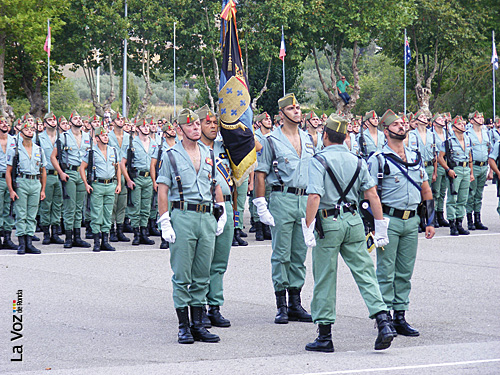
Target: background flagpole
(175,102)
(493,68)
(283,36)
(404,62)
(48,66)
(124,91)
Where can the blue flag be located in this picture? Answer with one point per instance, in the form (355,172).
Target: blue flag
(235,112)
(407,52)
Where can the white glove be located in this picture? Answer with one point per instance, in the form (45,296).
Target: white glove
(264,214)
(167,232)
(308,232)
(381,238)
(221,223)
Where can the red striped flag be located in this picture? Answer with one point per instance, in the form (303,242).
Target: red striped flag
(282,47)
(47,45)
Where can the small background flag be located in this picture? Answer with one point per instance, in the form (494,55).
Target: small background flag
(282,47)
(494,57)
(407,52)
(47,45)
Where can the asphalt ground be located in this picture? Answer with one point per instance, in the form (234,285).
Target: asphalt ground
(112,313)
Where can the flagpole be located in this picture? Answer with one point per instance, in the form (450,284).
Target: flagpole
(404,62)
(284,90)
(175,102)
(124,91)
(48,67)
(493,68)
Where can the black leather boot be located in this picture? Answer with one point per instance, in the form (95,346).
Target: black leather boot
(68,244)
(199,332)
(105,245)
(453,228)
(385,334)
(243,234)
(295,310)
(216,317)
(204,318)
(267,231)
(153,230)
(112,234)
(237,237)
(259,232)
(46,235)
(120,235)
(54,236)
(323,342)
(144,239)
(184,336)
(21,249)
(30,249)
(97,242)
(252,227)
(401,325)
(477,222)
(282,314)
(391,323)
(88,231)
(7,241)
(59,229)
(164,244)
(35,238)
(460,228)
(127,228)
(136,241)
(77,240)
(470,222)
(38,227)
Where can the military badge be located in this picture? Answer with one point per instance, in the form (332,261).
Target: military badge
(209,161)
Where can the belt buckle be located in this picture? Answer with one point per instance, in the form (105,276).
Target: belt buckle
(200,208)
(406,215)
(300,191)
(324,214)
(107,181)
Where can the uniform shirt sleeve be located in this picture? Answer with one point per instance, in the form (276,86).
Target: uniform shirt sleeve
(124,149)
(164,174)
(373,168)
(86,157)
(367,182)
(495,151)
(11,151)
(316,178)
(44,159)
(265,160)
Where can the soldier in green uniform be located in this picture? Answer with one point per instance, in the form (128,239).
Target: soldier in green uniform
(140,183)
(105,185)
(51,206)
(342,233)
(439,186)
(402,184)
(374,139)
(7,141)
(462,175)
(218,267)
(494,162)
(187,183)
(481,146)
(283,166)
(312,124)
(117,138)
(31,179)
(75,144)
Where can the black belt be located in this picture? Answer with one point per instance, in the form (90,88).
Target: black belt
(75,168)
(291,190)
(51,172)
(105,181)
(430,162)
(191,207)
(401,214)
(227,198)
(2,175)
(29,176)
(335,212)
(143,173)
(463,164)
(480,163)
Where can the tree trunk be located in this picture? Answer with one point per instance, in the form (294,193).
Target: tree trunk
(34,94)
(207,86)
(262,90)
(355,76)
(148,92)
(88,71)
(5,109)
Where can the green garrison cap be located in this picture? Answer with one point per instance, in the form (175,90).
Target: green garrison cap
(311,115)
(436,116)
(388,118)
(205,112)
(186,117)
(277,118)
(140,121)
(62,118)
(457,119)
(167,126)
(337,123)
(369,115)
(288,99)
(100,130)
(74,114)
(475,115)
(49,115)
(262,116)
(418,114)
(86,118)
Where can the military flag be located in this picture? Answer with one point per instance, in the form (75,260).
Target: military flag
(47,46)
(282,46)
(235,113)
(407,51)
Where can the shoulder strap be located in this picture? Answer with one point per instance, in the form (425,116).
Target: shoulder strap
(275,162)
(176,173)
(342,193)
(405,174)
(380,173)
(214,180)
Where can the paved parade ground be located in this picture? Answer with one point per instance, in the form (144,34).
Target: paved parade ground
(112,313)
